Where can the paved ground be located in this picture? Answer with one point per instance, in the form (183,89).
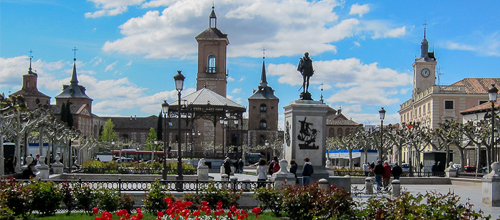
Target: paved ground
(465,192)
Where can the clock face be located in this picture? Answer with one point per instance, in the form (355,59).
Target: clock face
(426,73)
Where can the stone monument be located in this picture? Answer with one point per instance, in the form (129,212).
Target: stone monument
(43,169)
(491,186)
(305,127)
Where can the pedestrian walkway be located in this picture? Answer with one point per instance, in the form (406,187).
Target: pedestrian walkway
(473,193)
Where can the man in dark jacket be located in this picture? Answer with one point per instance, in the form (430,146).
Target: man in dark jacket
(227,166)
(379,171)
(307,172)
(396,171)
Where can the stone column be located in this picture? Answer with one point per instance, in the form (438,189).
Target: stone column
(491,186)
(202,170)
(451,171)
(396,188)
(29,160)
(57,166)
(283,177)
(323,184)
(43,169)
(369,185)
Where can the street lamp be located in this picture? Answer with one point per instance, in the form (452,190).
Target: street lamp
(179,82)
(164,109)
(493,92)
(224,125)
(382,116)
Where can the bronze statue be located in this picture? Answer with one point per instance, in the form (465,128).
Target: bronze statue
(306,69)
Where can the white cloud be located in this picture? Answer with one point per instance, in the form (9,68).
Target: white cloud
(236,90)
(12,69)
(242,79)
(129,63)
(357,83)
(288,24)
(483,44)
(360,10)
(110,66)
(96,61)
(111,7)
(230,79)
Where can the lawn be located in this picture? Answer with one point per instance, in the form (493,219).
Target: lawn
(147,216)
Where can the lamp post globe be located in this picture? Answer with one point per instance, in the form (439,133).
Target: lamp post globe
(179,82)
(382,116)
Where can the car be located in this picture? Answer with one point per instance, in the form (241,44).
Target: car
(405,167)
(469,169)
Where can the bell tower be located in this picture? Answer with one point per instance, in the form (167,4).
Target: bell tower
(212,49)
(424,68)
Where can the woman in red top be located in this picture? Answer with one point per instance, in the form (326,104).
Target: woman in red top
(386,176)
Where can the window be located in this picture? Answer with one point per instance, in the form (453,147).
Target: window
(263,108)
(211,64)
(28,84)
(331,132)
(339,132)
(263,124)
(449,105)
(347,131)
(482,102)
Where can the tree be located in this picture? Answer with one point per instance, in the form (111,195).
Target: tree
(69,116)
(108,134)
(63,112)
(151,141)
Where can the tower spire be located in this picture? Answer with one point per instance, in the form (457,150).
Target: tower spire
(212,23)
(74,79)
(263,80)
(424,46)
(31,57)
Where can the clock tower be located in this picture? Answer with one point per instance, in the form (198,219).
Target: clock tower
(424,68)
(212,48)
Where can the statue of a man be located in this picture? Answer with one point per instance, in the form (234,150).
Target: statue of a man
(306,69)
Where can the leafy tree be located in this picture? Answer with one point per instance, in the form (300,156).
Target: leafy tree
(108,134)
(151,141)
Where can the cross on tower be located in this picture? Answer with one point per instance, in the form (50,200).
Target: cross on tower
(264,52)
(74,51)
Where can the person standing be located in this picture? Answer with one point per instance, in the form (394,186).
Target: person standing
(396,171)
(293,169)
(372,167)
(386,176)
(261,173)
(28,173)
(378,170)
(240,166)
(227,166)
(276,164)
(307,172)
(366,168)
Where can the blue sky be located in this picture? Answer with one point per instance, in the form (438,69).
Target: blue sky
(129,50)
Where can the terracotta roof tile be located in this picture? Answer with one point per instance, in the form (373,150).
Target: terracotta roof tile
(477,85)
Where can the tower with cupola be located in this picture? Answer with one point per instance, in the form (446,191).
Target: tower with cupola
(424,68)
(212,50)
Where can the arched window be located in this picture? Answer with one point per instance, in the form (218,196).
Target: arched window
(211,64)
(347,131)
(263,108)
(339,132)
(331,132)
(263,124)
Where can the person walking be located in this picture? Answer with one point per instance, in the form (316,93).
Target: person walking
(386,176)
(396,171)
(240,165)
(227,166)
(293,169)
(378,170)
(372,167)
(366,168)
(276,164)
(307,172)
(261,173)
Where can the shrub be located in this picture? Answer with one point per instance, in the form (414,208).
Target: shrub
(46,197)
(17,198)
(68,196)
(5,212)
(155,198)
(108,199)
(271,199)
(86,197)
(213,195)
(126,201)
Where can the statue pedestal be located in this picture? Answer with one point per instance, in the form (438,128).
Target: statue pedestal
(491,187)
(283,177)
(203,173)
(43,170)
(305,135)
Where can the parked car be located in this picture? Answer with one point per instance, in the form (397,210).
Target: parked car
(405,167)
(469,169)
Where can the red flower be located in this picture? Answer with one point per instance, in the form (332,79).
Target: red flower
(159,214)
(139,215)
(257,211)
(197,213)
(204,203)
(97,218)
(233,208)
(138,210)
(95,210)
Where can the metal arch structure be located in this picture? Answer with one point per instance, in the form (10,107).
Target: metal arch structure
(207,105)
